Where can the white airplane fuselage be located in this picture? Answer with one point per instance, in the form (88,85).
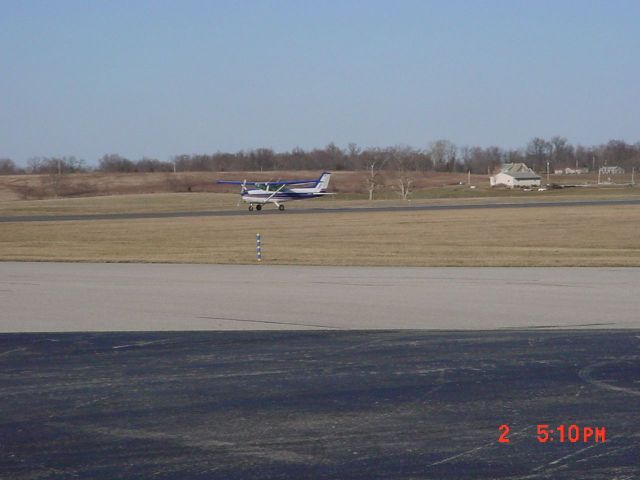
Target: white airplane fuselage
(269,195)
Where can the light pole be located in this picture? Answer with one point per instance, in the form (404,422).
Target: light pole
(547,172)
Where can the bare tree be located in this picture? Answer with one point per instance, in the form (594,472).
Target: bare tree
(375,162)
(153,165)
(481,160)
(405,184)
(444,155)
(403,159)
(7,167)
(34,164)
(54,166)
(538,150)
(115,163)
(336,158)
(263,158)
(617,152)
(56,182)
(353,151)
(562,154)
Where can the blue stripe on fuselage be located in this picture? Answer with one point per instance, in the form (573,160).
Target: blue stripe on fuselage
(281,196)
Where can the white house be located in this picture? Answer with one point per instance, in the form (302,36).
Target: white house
(611,170)
(576,171)
(515,175)
(517,179)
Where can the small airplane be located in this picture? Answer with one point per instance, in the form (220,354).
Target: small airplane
(280,191)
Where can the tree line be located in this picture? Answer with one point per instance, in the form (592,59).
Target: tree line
(439,156)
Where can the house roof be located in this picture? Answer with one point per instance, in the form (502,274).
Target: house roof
(515,168)
(523,175)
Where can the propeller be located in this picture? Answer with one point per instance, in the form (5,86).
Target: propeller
(243,190)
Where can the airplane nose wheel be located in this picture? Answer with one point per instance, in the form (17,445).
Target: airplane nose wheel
(281,207)
(251,208)
(258,207)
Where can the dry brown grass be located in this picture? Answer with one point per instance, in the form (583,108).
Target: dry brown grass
(25,187)
(143,203)
(562,236)
(146,192)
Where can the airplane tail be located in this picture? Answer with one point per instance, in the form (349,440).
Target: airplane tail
(323,182)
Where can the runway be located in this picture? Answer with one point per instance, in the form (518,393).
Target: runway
(296,211)
(318,405)
(72,297)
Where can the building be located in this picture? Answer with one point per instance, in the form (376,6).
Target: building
(518,179)
(570,171)
(515,175)
(576,171)
(611,170)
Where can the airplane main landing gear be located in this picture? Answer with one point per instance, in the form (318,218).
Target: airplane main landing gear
(258,207)
(281,207)
(251,208)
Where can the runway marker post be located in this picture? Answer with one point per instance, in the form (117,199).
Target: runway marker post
(258,248)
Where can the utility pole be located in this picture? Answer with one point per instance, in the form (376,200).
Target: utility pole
(547,172)
(469,177)
(633,175)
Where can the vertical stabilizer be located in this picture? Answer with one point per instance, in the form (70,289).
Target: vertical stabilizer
(323,182)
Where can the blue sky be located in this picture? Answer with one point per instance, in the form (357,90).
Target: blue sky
(160,78)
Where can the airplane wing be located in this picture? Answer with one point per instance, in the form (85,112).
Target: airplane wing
(235,182)
(285,182)
(292,182)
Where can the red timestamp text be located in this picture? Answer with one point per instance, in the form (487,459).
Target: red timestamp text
(570,433)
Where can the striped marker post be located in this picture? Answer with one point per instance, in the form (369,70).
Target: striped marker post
(258,248)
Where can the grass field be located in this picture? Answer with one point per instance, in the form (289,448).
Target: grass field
(561,236)
(590,236)
(181,202)
(140,203)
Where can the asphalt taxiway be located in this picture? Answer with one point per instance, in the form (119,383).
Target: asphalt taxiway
(318,405)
